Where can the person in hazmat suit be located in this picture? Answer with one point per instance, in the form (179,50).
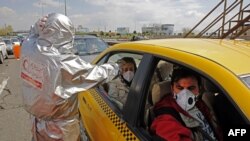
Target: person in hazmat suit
(52,76)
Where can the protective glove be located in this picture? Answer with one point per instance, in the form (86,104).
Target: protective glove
(39,25)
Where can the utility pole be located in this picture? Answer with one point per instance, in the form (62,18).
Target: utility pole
(135,25)
(41,4)
(65,8)
(5,29)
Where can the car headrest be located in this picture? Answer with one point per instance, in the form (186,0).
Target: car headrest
(159,90)
(165,69)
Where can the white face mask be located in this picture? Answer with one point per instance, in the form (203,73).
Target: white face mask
(128,75)
(185,99)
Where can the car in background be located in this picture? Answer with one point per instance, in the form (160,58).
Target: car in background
(9,45)
(88,46)
(3,51)
(15,41)
(138,38)
(226,85)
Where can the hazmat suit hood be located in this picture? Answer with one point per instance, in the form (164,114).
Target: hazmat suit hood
(57,34)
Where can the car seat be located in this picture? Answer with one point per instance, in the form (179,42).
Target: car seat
(159,90)
(164,69)
(160,83)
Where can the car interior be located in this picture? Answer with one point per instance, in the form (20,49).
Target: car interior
(217,100)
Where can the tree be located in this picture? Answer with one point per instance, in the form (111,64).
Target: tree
(110,33)
(101,33)
(7,30)
(134,32)
(186,30)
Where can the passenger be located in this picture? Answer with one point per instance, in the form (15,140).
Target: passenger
(119,87)
(182,115)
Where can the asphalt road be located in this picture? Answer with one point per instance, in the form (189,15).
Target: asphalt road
(15,122)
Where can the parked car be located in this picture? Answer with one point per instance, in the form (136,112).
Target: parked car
(15,41)
(222,64)
(88,46)
(3,51)
(138,38)
(9,45)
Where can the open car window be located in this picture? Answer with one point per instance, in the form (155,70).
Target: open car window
(116,91)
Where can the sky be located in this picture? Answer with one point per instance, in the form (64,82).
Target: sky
(105,15)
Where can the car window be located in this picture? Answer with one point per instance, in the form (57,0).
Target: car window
(87,46)
(7,41)
(80,45)
(116,91)
(95,45)
(14,40)
(246,79)
(213,95)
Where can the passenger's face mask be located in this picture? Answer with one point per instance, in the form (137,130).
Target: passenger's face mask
(128,75)
(185,99)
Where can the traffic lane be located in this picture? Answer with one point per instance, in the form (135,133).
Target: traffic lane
(14,120)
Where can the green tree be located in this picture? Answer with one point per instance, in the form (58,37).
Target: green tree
(7,30)
(101,33)
(185,30)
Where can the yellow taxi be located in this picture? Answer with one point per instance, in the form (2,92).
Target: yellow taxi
(224,66)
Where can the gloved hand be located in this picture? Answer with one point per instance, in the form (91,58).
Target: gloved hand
(39,25)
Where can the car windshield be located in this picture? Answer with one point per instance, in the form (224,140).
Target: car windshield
(85,46)
(7,41)
(246,79)
(14,40)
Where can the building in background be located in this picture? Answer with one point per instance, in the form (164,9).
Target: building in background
(159,29)
(122,30)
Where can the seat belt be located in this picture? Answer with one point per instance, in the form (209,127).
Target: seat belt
(171,111)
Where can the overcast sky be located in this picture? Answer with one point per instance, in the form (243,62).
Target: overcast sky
(107,14)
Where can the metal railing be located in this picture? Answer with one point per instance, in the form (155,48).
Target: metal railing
(235,26)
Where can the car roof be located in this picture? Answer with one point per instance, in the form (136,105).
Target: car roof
(6,39)
(85,36)
(232,54)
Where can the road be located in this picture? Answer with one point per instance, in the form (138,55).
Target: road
(14,120)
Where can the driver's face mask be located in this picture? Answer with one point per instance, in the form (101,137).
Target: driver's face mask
(185,99)
(128,75)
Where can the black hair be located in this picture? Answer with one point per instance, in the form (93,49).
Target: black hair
(180,73)
(129,60)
